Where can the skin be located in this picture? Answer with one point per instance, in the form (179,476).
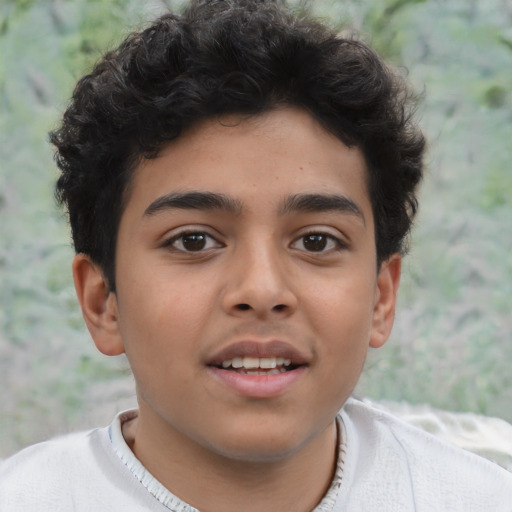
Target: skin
(259,277)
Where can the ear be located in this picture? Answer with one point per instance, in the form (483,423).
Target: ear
(99,305)
(388,282)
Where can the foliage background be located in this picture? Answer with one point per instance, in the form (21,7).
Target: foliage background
(452,344)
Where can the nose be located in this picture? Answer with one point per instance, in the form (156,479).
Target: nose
(259,284)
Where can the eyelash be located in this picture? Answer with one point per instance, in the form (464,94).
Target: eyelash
(327,237)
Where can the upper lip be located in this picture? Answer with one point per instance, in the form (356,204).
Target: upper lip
(260,349)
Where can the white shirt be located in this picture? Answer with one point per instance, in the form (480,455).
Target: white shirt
(389,466)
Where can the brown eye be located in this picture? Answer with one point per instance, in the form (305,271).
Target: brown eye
(194,241)
(318,242)
(315,242)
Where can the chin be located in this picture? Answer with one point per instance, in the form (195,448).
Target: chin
(261,446)
(257,453)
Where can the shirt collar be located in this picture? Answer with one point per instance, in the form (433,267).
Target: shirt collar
(175,504)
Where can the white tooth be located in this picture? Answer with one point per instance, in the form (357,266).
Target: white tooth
(251,362)
(268,362)
(280,361)
(237,362)
(287,362)
(273,372)
(226,364)
(252,373)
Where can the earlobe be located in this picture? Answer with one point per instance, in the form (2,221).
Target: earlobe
(99,305)
(388,282)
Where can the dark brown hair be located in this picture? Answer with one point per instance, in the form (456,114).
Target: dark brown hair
(231,56)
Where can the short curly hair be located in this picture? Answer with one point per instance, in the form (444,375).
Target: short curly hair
(221,57)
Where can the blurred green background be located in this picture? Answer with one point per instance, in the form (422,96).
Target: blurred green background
(452,343)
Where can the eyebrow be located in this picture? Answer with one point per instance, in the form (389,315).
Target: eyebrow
(307,203)
(321,203)
(194,201)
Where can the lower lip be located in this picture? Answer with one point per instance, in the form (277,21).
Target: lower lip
(258,386)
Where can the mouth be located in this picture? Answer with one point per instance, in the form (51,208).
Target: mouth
(259,369)
(258,365)
(259,358)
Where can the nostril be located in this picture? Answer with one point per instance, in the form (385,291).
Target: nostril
(243,306)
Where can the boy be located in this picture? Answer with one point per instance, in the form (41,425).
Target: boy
(240,184)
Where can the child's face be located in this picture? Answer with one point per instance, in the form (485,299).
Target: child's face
(279,264)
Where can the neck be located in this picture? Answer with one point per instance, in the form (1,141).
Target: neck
(212,482)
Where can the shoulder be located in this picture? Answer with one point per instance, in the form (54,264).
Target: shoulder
(421,466)
(78,472)
(54,454)
(38,474)
(64,446)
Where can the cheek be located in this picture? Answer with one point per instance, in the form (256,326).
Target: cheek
(163,311)
(161,328)
(341,320)
(344,311)
(161,317)
(167,295)
(342,317)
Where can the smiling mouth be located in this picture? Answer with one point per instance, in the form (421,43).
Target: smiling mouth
(258,365)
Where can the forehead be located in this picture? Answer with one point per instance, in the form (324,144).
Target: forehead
(274,155)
